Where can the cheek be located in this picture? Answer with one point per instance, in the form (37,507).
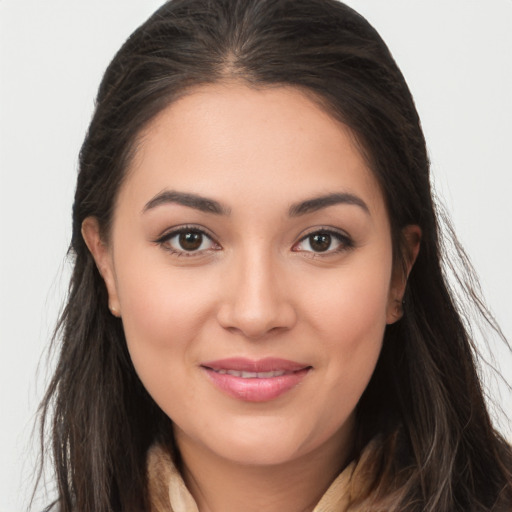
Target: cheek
(163,312)
(349,317)
(155,313)
(351,306)
(159,301)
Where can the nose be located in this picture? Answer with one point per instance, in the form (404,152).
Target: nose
(257,298)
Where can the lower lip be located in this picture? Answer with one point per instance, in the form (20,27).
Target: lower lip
(256,390)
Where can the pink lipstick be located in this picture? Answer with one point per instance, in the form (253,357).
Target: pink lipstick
(255,381)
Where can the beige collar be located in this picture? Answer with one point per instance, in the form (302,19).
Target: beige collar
(168,493)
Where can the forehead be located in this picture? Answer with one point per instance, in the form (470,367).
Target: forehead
(232,139)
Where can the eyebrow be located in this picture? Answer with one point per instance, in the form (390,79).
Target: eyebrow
(317,203)
(208,205)
(195,201)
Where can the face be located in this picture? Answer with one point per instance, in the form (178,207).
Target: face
(250,261)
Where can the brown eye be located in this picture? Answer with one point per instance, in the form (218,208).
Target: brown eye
(190,241)
(328,242)
(320,242)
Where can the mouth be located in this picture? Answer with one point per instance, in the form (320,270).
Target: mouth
(255,381)
(250,375)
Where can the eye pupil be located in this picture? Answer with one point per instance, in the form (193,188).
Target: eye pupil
(320,242)
(191,240)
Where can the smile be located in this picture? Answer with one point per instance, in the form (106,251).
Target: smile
(255,381)
(251,375)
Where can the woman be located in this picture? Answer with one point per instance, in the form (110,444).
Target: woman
(257,317)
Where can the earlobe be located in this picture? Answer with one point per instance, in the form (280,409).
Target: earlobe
(103,259)
(411,236)
(395,311)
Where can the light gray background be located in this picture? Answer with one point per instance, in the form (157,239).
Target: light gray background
(455,54)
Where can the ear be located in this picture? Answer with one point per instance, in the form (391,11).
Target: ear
(411,236)
(103,257)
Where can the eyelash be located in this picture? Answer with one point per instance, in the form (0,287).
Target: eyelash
(165,239)
(344,241)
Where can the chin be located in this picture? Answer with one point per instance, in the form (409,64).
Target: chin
(267,441)
(261,452)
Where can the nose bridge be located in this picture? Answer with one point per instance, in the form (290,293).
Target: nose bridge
(257,284)
(258,301)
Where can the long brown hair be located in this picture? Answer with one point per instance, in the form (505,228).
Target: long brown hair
(439,450)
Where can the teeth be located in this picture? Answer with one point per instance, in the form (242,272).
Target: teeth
(252,375)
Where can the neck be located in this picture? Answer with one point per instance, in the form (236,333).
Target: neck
(221,485)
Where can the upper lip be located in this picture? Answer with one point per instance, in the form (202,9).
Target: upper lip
(267,364)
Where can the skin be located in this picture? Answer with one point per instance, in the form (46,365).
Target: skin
(255,288)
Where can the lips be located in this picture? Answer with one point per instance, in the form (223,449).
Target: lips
(251,375)
(255,380)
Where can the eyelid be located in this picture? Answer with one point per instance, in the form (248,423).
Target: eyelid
(170,233)
(346,241)
(183,228)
